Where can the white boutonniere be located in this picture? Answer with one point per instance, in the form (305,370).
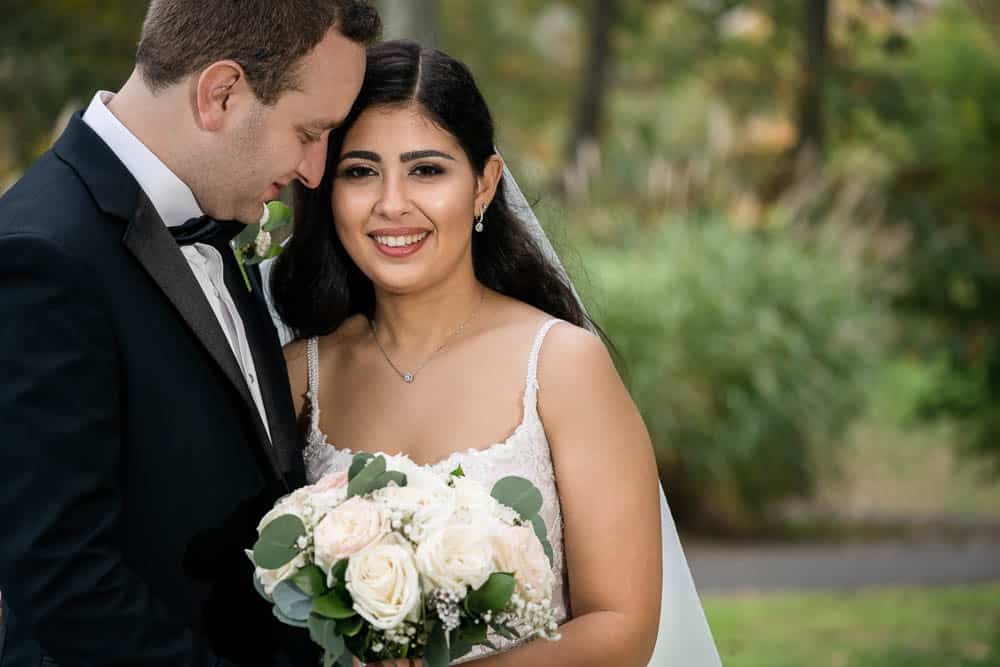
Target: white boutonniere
(254,244)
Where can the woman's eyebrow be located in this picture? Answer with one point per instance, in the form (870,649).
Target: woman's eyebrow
(361,155)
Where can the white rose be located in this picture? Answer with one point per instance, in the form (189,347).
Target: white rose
(346,530)
(455,557)
(517,549)
(384,583)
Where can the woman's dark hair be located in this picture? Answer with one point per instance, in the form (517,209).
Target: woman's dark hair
(317,286)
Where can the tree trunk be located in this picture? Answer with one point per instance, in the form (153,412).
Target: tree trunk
(590,104)
(813,76)
(411,19)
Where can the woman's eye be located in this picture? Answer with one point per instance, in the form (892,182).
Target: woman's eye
(426,170)
(357,171)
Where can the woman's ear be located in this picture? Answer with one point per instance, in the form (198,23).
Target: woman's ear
(488,181)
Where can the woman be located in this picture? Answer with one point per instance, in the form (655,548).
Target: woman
(431,324)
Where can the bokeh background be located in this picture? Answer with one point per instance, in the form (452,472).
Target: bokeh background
(784,213)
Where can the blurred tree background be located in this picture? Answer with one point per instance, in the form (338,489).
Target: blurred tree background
(783,212)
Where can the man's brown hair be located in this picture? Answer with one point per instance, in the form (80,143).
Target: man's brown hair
(266,37)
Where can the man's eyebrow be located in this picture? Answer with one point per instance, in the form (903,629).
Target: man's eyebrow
(361,155)
(420,155)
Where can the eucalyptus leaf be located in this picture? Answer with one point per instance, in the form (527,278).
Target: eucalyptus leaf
(311,581)
(358,463)
(335,605)
(543,536)
(280,615)
(364,481)
(437,654)
(324,633)
(520,495)
(493,595)
(277,543)
(292,602)
(383,480)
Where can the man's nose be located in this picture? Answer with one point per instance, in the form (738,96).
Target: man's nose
(310,170)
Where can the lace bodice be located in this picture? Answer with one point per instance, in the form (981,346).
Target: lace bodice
(525,453)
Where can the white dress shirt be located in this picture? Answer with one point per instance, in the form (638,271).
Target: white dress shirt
(175,203)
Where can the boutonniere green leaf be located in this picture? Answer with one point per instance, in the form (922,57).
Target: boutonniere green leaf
(253,245)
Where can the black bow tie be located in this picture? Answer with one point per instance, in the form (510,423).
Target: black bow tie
(206,230)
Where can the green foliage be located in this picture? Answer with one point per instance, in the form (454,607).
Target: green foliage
(276,545)
(493,595)
(518,494)
(745,353)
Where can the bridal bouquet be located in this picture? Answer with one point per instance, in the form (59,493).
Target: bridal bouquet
(391,560)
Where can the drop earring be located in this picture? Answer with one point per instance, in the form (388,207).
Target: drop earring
(479,219)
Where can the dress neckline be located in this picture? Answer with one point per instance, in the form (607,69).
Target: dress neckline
(529,405)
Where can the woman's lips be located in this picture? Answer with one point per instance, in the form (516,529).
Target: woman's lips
(399,236)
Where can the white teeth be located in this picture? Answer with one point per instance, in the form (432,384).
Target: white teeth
(400,241)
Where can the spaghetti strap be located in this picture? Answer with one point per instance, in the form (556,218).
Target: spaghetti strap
(312,361)
(531,384)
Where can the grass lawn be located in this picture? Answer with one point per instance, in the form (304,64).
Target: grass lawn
(938,627)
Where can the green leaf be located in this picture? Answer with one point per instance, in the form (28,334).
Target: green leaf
(273,252)
(311,581)
(436,654)
(383,480)
(324,633)
(457,472)
(493,595)
(520,495)
(472,633)
(280,214)
(337,572)
(246,237)
(364,480)
(543,536)
(358,464)
(292,602)
(276,545)
(335,605)
(348,627)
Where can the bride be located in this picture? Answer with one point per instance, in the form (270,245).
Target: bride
(433,321)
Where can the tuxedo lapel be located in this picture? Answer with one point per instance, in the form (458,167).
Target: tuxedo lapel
(148,239)
(270,364)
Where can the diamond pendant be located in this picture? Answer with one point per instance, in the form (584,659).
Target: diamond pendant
(407,377)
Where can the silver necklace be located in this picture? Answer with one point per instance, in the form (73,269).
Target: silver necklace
(409,376)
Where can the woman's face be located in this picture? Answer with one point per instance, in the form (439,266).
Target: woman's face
(404,199)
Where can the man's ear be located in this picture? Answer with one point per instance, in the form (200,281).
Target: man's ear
(221,87)
(487,182)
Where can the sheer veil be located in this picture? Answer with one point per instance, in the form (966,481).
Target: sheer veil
(685,639)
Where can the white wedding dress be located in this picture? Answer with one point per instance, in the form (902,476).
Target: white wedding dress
(525,453)
(684,639)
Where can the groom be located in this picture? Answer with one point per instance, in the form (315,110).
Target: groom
(146,422)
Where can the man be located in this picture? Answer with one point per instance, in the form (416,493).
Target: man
(145,414)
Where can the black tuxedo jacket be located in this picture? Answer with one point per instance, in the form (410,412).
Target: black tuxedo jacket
(134,466)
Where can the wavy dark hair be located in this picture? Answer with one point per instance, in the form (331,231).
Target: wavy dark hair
(317,286)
